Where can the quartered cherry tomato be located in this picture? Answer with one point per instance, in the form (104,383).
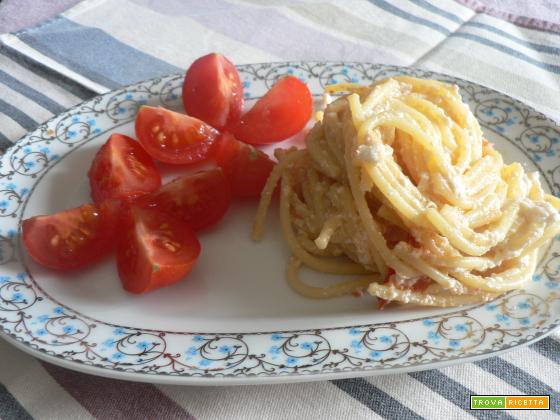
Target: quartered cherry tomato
(281,113)
(172,137)
(212,91)
(154,249)
(200,199)
(122,169)
(245,167)
(72,238)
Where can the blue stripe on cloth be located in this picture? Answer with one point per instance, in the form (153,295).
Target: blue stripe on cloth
(377,400)
(537,47)
(520,379)
(548,348)
(4,144)
(382,4)
(10,408)
(46,73)
(18,116)
(31,93)
(476,38)
(454,392)
(434,9)
(507,50)
(95,54)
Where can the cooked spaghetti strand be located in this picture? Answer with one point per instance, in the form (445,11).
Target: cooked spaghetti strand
(398,178)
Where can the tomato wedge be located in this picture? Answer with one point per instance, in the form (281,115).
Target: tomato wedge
(155,250)
(200,199)
(212,91)
(73,238)
(281,113)
(245,167)
(122,169)
(172,137)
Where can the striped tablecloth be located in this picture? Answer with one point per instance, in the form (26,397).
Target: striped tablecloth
(99,45)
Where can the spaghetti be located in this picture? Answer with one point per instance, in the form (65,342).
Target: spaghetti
(398,185)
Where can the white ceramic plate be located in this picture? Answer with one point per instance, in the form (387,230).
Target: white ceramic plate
(234,319)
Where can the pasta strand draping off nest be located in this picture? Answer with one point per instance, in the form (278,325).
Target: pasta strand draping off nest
(397,184)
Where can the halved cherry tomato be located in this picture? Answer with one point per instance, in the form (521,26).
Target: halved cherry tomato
(200,199)
(72,238)
(122,169)
(154,249)
(212,91)
(281,113)
(172,137)
(245,167)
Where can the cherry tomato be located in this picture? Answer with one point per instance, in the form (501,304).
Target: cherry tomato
(245,167)
(200,199)
(154,249)
(212,91)
(72,238)
(172,137)
(281,113)
(122,169)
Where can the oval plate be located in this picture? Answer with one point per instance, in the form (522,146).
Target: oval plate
(234,319)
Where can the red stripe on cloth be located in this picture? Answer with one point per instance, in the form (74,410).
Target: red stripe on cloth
(115,399)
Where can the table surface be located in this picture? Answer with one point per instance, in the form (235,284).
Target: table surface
(50,62)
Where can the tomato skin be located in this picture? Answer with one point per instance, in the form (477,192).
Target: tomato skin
(74,238)
(154,249)
(212,91)
(200,199)
(421,284)
(122,169)
(245,167)
(172,137)
(282,112)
